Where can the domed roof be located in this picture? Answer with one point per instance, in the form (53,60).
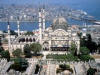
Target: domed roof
(59,23)
(59,20)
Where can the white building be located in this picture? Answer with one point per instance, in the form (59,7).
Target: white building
(57,37)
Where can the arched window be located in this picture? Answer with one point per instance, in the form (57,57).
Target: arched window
(30,40)
(23,40)
(34,40)
(26,39)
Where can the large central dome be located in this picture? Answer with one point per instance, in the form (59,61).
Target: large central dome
(59,20)
(59,23)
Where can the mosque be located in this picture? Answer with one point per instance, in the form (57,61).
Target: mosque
(57,37)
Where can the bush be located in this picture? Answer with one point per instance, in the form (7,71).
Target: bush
(84,50)
(5,54)
(35,48)
(57,56)
(27,51)
(17,53)
(91,71)
(62,57)
(20,64)
(63,67)
(71,57)
(85,57)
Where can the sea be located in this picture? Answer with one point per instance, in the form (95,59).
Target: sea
(92,7)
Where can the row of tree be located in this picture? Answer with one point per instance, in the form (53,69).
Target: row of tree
(83,55)
(20,64)
(29,50)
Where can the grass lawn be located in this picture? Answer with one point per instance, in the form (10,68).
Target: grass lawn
(62,57)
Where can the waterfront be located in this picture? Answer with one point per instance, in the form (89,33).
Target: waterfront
(91,7)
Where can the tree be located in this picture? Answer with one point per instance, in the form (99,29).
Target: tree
(91,71)
(5,54)
(63,67)
(12,32)
(29,33)
(17,53)
(27,50)
(85,58)
(35,48)
(84,50)
(1,49)
(83,42)
(99,47)
(87,42)
(91,45)
(73,49)
(20,64)
(71,57)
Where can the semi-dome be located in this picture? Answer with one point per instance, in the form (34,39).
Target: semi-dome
(59,23)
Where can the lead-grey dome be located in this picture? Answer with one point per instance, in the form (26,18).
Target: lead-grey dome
(59,23)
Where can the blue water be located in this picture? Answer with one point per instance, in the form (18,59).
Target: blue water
(23,25)
(92,7)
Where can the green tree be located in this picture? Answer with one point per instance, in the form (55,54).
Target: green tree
(98,47)
(91,71)
(20,64)
(85,58)
(35,48)
(91,45)
(12,32)
(83,42)
(73,49)
(84,50)
(63,67)
(5,54)
(1,49)
(29,33)
(17,53)
(27,51)
(89,37)
(71,57)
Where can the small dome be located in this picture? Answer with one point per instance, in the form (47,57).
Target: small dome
(59,23)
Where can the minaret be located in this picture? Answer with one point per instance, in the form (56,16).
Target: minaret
(9,41)
(40,26)
(18,26)
(43,18)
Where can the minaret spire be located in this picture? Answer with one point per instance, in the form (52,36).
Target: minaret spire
(40,26)
(43,18)
(9,41)
(18,26)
